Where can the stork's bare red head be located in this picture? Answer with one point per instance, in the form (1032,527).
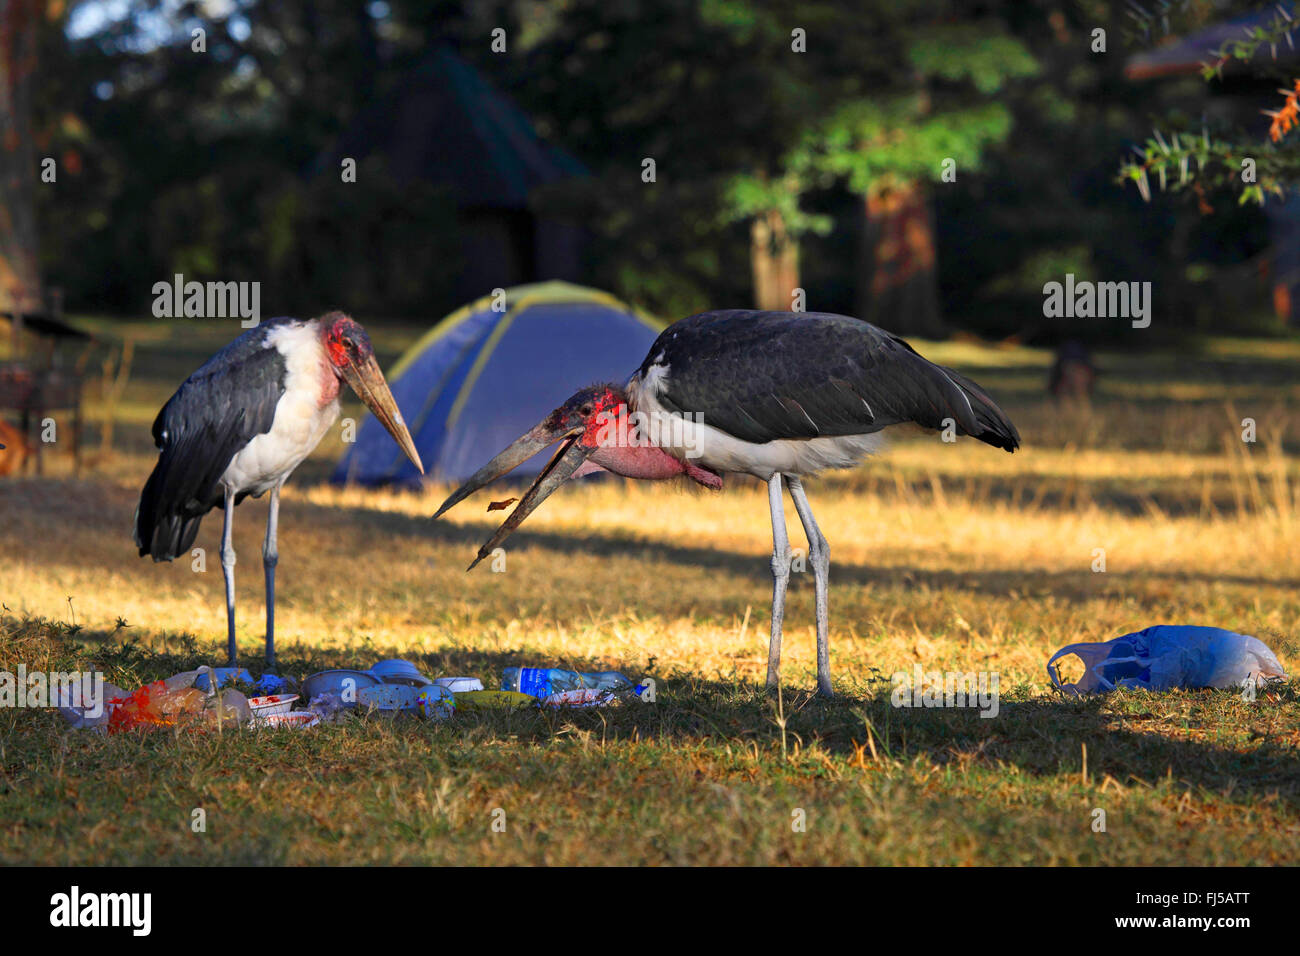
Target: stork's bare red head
(580,423)
(348,347)
(345,340)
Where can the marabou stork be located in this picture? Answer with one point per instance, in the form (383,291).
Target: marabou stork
(777,395)
(242,423)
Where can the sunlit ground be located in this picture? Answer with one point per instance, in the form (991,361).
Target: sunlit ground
(954,557)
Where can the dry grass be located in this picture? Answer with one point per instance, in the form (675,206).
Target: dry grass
(954,556)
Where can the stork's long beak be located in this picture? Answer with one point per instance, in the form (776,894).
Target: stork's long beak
(368,382)
(568,459)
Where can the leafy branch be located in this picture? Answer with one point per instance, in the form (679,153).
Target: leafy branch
(1278,30)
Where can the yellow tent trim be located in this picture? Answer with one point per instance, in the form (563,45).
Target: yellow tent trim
(480,361)
(518,298)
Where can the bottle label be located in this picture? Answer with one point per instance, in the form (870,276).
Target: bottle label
(535,681)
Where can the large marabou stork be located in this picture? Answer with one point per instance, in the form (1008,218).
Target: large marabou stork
(242,423)
(777,395)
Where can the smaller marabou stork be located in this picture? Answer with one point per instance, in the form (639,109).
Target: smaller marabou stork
(242,423)
(777,395)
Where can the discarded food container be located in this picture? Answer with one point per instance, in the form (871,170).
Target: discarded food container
(1167,656)
(343,682)
(459,685)
(273,704)
(494,700)
(398,671)
(294,720)
(436,702)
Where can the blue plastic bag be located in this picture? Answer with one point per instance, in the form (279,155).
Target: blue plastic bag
(1167,656)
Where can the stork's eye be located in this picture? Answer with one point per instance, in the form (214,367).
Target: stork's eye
(585,409)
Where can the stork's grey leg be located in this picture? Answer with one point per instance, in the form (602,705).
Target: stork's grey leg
(228,570)
(780,578)
(819,553)
(270,557)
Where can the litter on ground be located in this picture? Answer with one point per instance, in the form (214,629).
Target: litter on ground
(210,698)
(1169,656)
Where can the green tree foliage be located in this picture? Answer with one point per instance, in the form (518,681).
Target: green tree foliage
(208,164)
(752,108)
(1182,156)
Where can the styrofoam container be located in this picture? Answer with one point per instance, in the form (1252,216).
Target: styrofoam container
(294,720)
(459,685)
(272,704)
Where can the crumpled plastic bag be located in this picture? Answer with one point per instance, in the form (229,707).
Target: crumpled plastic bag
(90,715)
(270,683)
(330,707)
(1167,656)
(164,703)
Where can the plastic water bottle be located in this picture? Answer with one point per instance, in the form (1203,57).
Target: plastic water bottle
(608,680)
(541,681)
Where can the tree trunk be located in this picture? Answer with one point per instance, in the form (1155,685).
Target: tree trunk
(20,289)
(774,255)
(899,285)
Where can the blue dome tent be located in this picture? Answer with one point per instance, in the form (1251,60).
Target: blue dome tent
(482,377)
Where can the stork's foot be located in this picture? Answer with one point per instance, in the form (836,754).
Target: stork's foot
(773,677)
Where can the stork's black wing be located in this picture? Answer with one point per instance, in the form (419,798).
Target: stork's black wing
(762,376)
(218,410)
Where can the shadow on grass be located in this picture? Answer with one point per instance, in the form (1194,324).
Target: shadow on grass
(1072,586)
(1205,739)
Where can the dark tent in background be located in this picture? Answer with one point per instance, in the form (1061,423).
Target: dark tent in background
(481,378)
(446,126)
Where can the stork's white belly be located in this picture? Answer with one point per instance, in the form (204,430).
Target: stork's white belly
(300,422)
(798,457)
(268,459)
(718,451)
